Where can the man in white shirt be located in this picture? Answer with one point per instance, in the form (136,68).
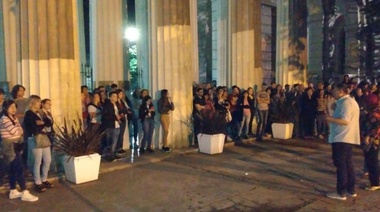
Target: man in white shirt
(344,134)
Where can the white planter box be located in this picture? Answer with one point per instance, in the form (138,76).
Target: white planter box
(82,169)
(211,144)
(282,131)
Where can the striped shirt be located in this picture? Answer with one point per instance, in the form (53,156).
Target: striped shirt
(8,129)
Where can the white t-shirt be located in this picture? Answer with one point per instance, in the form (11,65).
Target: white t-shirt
(97,117)
(117,125)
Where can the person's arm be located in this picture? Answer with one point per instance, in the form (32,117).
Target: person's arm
(159,106)
(171,105)
(343,117)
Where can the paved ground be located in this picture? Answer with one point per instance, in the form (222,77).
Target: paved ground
(273,175)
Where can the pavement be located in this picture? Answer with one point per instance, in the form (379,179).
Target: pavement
(273,175)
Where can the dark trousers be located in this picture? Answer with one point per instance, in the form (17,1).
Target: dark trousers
(307,122)
(345,173)
(263,118)
(16,173)
(120,139)
(372,164)
(251,122)
(135,124)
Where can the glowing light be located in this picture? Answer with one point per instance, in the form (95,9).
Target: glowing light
(132,34)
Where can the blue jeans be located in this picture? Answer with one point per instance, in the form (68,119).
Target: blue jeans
(345,173)
(120,138)
(39,155)
(148,128)
(263,118)
(112,135)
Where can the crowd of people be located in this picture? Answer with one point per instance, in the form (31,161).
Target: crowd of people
(316,113)
(27,130)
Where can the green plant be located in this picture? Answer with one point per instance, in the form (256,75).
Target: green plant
(211,121)
(282,111)
(72,140)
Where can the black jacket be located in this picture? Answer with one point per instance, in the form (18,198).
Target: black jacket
(144,111)
(108,115)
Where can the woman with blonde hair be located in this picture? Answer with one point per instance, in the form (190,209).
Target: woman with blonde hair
(38,143)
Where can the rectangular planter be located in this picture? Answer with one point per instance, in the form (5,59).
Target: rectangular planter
(211,144)
(82,169)
(282,131)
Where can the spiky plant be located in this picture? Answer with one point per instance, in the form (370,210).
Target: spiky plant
(72,140)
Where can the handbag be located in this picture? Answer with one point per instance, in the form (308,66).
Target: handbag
(42,141)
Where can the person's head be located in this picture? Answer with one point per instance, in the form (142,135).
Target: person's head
(113,87)
(34,103)
(1,94)
(208,86)
(309,91)
(120,93)
(273,85)
(102,88)
(329,87)
(346,78)
(295,87)
(46,104)
(245,94)
(164,93)
(321,93)
(320,85)
(200,92)
(18,91)
(206,96)
(250,91)
(210,92)
(235,90)
(269,90)
(103,95)
(95,97)
(359,91)
(373,87)
(143,93)
(264,86)
(310,85)
(84,89)
(113,96)
(136,93)
(301,87)
(287,87)
(9,108)
(278,88)
(340,90)
(147,100)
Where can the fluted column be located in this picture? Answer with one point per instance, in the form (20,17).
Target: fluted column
(48,63)
(171,62)
(315,32)
(107,41)
(245,43)
(291,48)
(3,68)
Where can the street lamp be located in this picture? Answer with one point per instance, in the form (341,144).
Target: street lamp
(132,34)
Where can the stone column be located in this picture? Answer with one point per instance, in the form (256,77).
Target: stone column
(3,68)
(171,62)
(107,41)
(48,63)
(245,43)
(291,49)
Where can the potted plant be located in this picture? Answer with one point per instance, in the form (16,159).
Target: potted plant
(282,112)
(81,160)
(213,125)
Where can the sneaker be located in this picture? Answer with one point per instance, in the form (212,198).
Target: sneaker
(150,150)
(14,193)
(121,151)
(142,150)
(372,188)
(321,136)
(337,196)
(352,194)
(166,149)
(39,188)
(26,196)
(47,184)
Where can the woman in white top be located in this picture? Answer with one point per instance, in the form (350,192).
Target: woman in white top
(94,110)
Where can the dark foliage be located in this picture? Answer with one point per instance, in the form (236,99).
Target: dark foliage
(74,141)
(282,111)
(212,122)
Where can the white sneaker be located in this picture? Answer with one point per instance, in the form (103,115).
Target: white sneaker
(321,136)
(26,196)
(372,188)
(337,196)
(13,194)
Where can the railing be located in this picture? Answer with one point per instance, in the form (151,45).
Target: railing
(86,76)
